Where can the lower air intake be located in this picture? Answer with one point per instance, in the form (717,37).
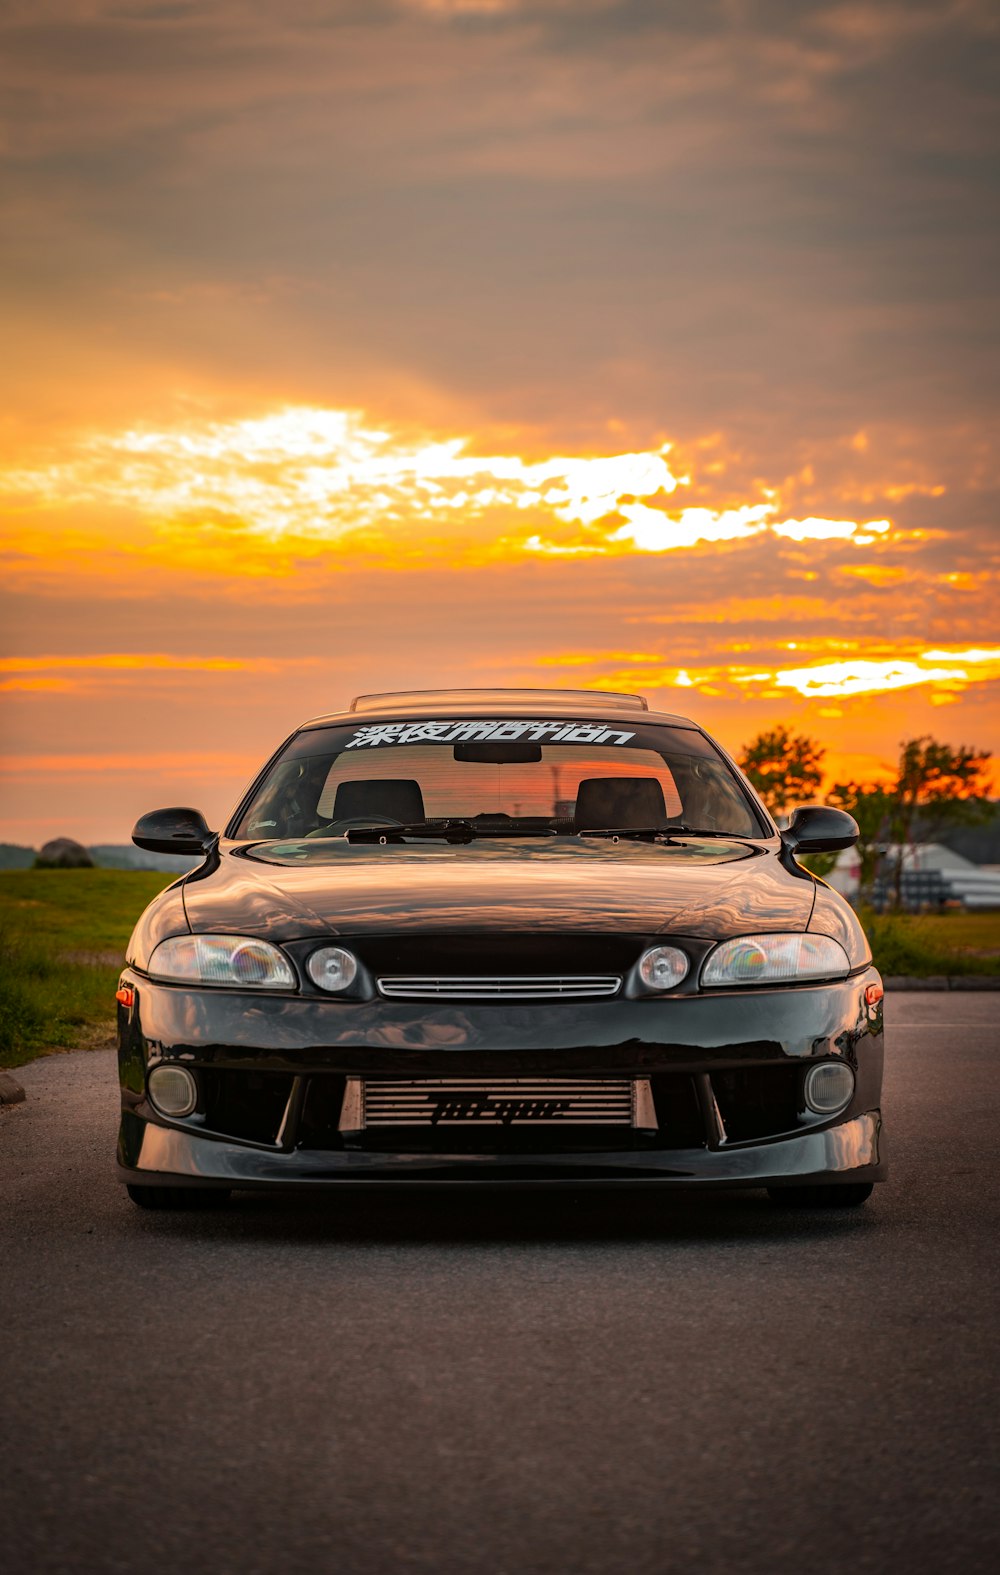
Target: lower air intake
(505,1102)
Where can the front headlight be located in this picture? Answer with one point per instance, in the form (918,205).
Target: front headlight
(775,959)
(222,959)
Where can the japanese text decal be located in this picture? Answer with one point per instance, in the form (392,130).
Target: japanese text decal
(499,731)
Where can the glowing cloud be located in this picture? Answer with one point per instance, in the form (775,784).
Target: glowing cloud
(256,496)
(652,530)
(829,530)
(317,472)
(859,676)
(948,671)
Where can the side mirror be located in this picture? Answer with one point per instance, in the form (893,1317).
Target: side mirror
(173,831)
(817,829)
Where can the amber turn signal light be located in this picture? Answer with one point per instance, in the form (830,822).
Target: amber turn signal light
(125,996)
(873,993)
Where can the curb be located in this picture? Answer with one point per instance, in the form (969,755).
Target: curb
(11,1092)
(940,981)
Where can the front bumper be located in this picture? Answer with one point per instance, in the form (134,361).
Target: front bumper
(714,1052)
(849,1151)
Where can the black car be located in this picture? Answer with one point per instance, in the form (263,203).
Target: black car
(499,935)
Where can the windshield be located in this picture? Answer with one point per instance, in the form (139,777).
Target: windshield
(500,777)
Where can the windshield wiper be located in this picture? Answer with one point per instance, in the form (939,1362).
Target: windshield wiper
(459,829)
(448,830)
(660,833)
(706,831)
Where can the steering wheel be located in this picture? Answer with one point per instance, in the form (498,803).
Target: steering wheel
(340,828)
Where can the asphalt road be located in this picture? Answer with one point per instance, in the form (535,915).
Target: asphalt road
(512,1384)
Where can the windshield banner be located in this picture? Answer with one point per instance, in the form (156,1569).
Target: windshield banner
(458,732)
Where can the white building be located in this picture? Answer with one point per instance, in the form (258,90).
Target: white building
(974,885)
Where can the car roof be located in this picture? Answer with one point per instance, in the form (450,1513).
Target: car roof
(597,703)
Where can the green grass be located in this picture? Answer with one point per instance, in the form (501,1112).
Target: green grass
(62,940)
(922,944)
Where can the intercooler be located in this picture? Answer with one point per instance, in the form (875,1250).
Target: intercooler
(498,1102)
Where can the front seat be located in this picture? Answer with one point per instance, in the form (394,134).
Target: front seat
(395,799)
(625,803)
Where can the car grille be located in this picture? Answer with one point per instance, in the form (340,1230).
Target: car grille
(505,1102)
(505,987)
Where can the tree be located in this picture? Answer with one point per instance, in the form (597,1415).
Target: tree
(939,785)
(64,854)
(935,786)
(785,770)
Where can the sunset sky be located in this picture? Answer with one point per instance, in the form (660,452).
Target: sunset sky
(362,344)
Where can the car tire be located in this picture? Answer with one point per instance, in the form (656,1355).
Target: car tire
(850,1195)
(178,1197)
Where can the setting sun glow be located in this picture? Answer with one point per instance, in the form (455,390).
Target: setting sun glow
(314,508)
(331,367)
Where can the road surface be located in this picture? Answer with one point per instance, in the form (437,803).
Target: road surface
(506,1384)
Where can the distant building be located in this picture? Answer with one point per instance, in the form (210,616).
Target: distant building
(979,841)
(933,873)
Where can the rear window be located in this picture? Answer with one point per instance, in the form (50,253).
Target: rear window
(565,775)
(468,788)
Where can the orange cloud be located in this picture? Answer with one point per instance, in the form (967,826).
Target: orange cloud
(261,496)
(39,685)
(152,661)
(876,574)
(860,676)
(181,764)
(951,671)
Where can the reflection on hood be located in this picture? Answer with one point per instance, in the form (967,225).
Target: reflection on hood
(699,887)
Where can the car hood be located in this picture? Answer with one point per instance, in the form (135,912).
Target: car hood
(708,888)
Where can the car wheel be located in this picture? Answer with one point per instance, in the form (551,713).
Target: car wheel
(178,1197)
(848,1196)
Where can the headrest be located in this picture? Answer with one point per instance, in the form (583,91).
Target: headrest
(398,799)
(625,802)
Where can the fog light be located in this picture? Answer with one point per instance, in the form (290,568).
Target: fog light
(173,1090)
(828,1088)
(662,967)
(332,968)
